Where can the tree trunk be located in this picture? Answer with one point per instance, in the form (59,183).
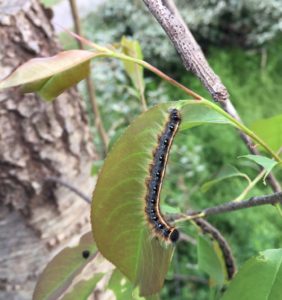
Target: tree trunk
(37,140)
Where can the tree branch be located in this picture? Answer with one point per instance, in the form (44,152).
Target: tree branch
(185,44)
(273,199)
(168,16)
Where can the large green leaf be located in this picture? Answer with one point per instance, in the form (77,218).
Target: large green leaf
(50,76)
(270,130)
(118,218)
(67,274)
(260,278)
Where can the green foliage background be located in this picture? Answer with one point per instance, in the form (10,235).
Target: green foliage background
(253,78)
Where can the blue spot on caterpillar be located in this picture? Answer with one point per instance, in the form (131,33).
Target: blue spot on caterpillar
(154,182)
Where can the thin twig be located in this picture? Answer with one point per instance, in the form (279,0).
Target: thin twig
(168,16)
(98,120)
(89,83)
(70,187)
(207,228)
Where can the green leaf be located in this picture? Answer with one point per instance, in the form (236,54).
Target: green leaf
(124,289)
(50,76)
(119,223)
(225,173)
(210,260)
(121,287)
(260,278)
(267,163)
(61,272)
(83,289)
(135,72)
(270,130)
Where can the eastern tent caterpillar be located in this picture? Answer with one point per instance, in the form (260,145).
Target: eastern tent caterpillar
(155,180)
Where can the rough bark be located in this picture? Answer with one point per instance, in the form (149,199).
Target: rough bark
(37,140)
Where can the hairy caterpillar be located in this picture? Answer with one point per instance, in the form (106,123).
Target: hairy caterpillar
(154,181)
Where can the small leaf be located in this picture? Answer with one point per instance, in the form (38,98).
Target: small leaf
(267,163)
(64,268)
(50,76)
(225,173)
(259,278)
(135,72)
(210,260)
(270,130)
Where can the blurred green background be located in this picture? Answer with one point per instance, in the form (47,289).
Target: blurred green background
(242,41)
